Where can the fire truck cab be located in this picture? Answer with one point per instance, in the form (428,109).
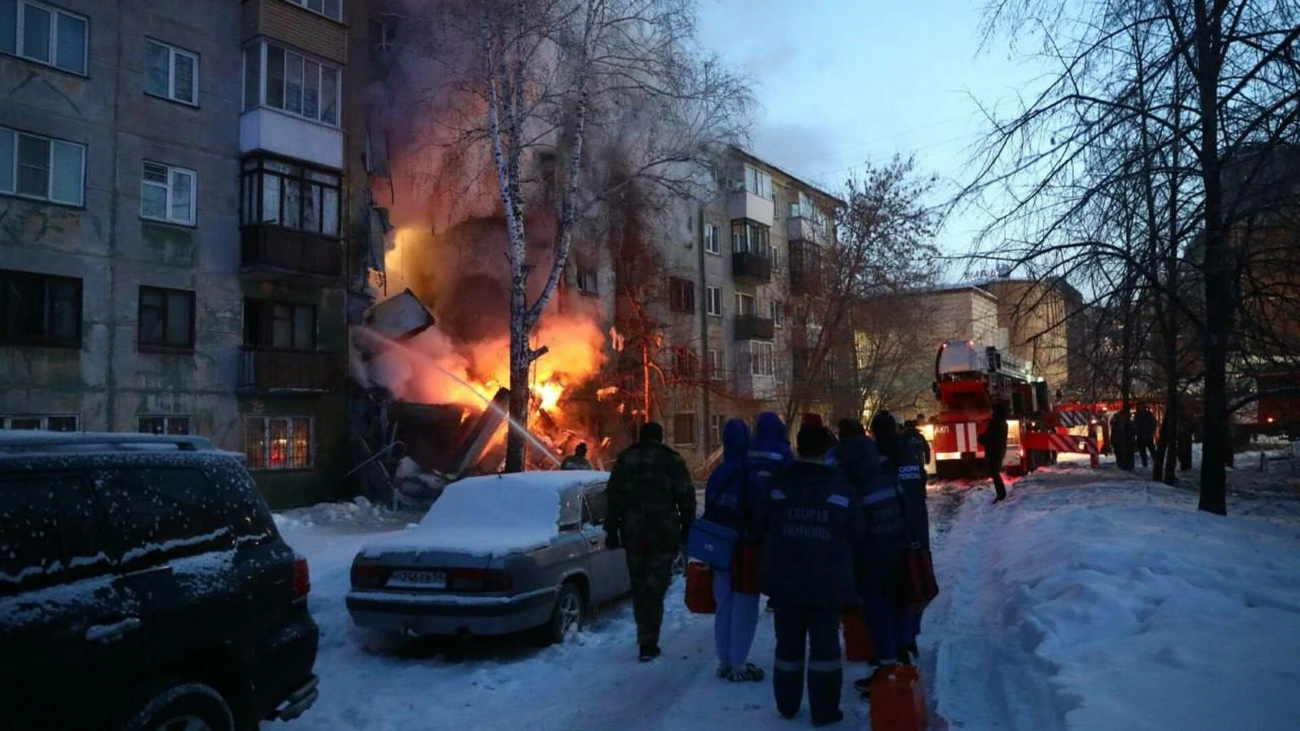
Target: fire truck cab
(968,381)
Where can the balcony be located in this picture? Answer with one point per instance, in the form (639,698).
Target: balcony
(754,327)
(266,370)
(802,228)
(750,268)
(273,253)
(805,268)
(269,130)
(743,204)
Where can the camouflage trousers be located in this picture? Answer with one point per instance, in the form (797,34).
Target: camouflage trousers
(650,575)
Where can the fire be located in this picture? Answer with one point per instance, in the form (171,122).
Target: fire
(548,395)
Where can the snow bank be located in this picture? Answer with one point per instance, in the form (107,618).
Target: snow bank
(1129,608)
(359,512)
(492,515)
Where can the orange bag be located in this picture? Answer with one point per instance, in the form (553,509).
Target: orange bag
(858,646)
(921,587)
(745,575)
(699,588)
(898,700)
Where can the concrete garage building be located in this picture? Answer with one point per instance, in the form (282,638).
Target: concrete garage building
(173,219)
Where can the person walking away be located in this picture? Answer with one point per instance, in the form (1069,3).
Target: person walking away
(913,456)
(994,440)
(768,453)
(729,499)
(1144,433)
(812,538)
(578,460)
(1185,431)
(651,503)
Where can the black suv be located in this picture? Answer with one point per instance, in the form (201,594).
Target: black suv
(144,586)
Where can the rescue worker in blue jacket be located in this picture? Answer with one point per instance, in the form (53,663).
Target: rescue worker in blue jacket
(730,499)
(913,454)
(769,451)
(881,501)
(813,540)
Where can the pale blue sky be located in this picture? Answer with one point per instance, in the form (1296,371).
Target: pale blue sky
(842,81)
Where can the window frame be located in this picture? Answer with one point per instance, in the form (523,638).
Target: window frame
(261,97)
(254,171)
(6,422)
(20,16)
(762,354)
(694,429)
(164,347)
(172,170)
(304,5)
(266,309)
(167,420)
(741,298)
(717,363)
(172,52)
(713,296)
(751,238)
(10,188)
(776,310)
(681,295)
(587,280)
(716,422)
(264,463)
(758,187)
(46,340)
(712,239)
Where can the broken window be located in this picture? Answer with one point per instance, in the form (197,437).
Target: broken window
(278,443)
(681,295)
(166,319)
(39,309)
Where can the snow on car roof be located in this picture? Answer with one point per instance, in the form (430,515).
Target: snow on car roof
(491,515)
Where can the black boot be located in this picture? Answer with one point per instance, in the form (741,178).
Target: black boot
(649,652)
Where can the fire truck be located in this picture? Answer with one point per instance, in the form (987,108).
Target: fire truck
(968,381)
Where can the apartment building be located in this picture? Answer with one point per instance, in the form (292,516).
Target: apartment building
(173,216)
(736,272)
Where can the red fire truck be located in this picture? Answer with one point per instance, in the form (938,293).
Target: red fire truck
(968,381)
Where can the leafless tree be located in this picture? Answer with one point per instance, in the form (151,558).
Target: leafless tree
(1187,85)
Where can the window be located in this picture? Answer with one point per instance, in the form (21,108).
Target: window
(48,534)
(283,194)
(595,505)
(587,281)
(277,77)
(161,513)
(681,295)
(41,423)
(281,325)
(44,34)
(328,8)
(171,73)
(38,309)
(758,182)
(746,304)
(760,361)
(173,425)
(41,167)
(717,361)
(776,258)
(167,194)
(166,319)
(684,429)
(749,237)
(712,244)
(686,364)
(713,301)
(278,443)
(777,309)
(715,428)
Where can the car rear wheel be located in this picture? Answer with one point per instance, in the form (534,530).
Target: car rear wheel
(175,706)
(567,615)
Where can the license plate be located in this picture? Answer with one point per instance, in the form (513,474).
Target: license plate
(418,580)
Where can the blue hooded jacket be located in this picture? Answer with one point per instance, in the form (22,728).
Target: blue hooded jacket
(729,496)
(875,481)
(770,447)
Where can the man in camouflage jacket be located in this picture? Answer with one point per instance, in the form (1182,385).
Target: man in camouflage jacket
(651,506)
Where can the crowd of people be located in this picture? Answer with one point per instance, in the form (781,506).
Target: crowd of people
(821,529)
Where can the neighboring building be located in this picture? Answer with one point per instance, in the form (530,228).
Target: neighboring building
(173,218)
(1035,323)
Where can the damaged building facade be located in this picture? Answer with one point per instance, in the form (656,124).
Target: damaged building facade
(183,219)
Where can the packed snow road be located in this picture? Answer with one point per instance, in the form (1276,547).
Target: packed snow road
(1087,600)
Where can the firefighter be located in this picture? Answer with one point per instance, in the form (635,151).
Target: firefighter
(578,460)
(651,506)
(912,433)
(994,440)
(813,539)
(1144,432)
(1186,430)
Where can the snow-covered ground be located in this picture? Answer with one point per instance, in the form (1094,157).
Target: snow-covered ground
(1088,600)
